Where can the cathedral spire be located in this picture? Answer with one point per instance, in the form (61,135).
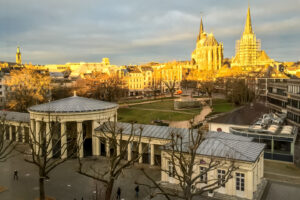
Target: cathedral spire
(248,25)
(201,31)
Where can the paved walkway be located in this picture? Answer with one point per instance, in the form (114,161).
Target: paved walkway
(199,118)
(64,183)
(282,191)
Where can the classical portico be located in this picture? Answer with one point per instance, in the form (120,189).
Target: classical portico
(75,119)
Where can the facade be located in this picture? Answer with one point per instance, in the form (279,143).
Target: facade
(245,180)
(280,140)
(248,49)
(208,54)
(283,97)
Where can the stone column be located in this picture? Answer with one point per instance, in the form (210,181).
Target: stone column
(107,147)
(95,141)
(22,132)
(152,154)
(129,151)
(292,148)
(32,133)
(118,147)
(272,146)
(10,132)
(80,139)
(49,140)
(141,152)
(64,140)
(37,137)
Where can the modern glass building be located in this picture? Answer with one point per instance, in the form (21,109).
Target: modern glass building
(279,140)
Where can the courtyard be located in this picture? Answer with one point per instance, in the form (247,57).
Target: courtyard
(65,183)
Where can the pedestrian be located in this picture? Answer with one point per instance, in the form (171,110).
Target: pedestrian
(16,175)
(137,189)
(119,193)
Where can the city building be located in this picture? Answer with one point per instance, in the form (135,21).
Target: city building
(280,139)
(89,119)
(242,117)
(248,49)
(246,155)
(208,54)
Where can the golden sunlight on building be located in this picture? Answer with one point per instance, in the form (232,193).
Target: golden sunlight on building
(208,54)
(248,49)
(18,56)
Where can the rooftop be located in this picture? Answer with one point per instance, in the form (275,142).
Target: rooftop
(216,144)
(15,116)
(73,104)
(243,116)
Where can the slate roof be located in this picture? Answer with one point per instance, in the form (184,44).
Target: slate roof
(73,104)
(246,115)
(153,131)
(15,116)
(227,145)
(217,144)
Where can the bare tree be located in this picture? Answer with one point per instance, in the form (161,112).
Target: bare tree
(116,165)
(47,147)
(171,85)
(155,87)
(182,155)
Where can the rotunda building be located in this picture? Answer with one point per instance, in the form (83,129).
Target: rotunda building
(71,119)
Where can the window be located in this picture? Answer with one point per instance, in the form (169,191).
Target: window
(240,181)
(203,176)
(171,169)
(221,177)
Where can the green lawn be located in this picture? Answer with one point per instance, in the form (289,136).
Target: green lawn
(162,110)
(221,106)
(147,116)
(166,105)
(143,100)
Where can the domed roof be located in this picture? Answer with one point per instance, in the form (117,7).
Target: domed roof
(73,104)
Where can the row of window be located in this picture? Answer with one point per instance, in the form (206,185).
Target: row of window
(294,89)
(239,177)
(293,117)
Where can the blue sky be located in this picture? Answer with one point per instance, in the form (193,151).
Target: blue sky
(140,31)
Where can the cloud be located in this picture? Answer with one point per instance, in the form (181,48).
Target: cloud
(134,31)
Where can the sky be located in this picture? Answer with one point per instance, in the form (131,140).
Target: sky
(140,31)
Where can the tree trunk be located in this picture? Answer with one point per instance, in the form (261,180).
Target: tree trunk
(42,188)
(109,189)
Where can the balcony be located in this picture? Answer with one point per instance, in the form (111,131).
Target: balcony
(275,107)
(278,96)
(292,122)
(278,85)
(294,96)
(293,109)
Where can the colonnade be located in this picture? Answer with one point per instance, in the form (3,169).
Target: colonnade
(37,132)
(19,132)
(130,150)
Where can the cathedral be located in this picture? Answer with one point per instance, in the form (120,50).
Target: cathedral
(248,49)
(208,54)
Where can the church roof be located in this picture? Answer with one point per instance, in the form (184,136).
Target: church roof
(210,40)
(73,104)
(248,25)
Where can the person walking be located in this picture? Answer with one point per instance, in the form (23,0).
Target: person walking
(137,189)
(119,193)
(16,175)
